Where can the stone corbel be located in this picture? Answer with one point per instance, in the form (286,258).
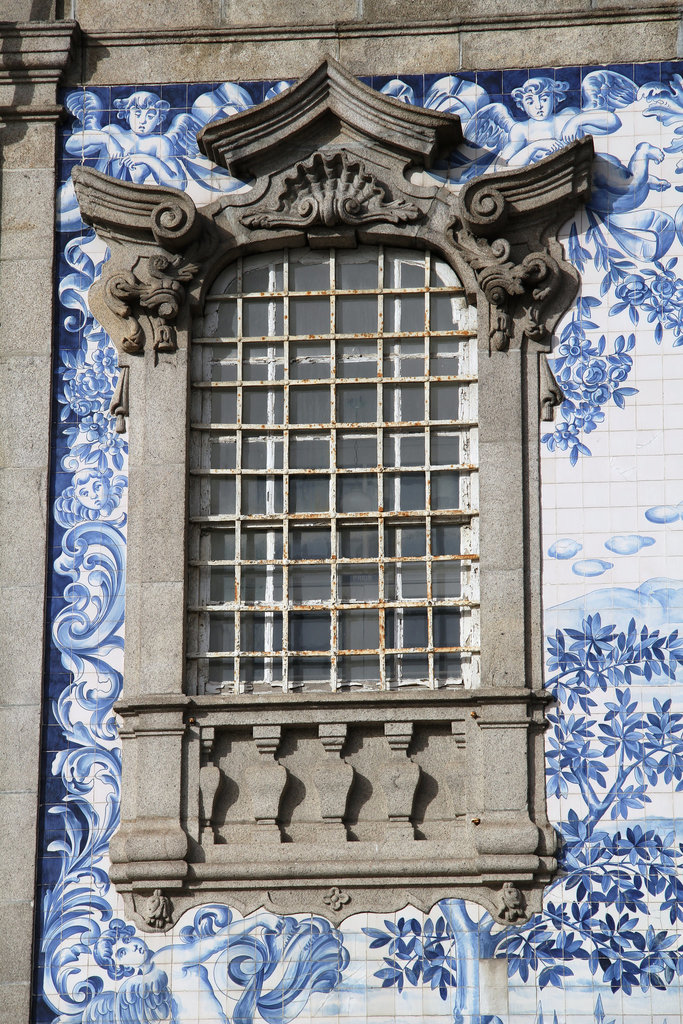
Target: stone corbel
(157,242)
(506,229)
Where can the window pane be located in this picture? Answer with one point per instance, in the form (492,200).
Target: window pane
(406,541)
(406,627)
(446,579)
(309,316)
(309,271)
(446,627)
(309,542)
(223,451)
(356,450)
(263,362)
(445,539)
(358,542)
(356,358)
(262,317)
(405,581)
(309,631)
(222,496)
(404,449)
(261,451)
(220,674)
(223,406)
(404,358)
(445,447)
(220,320)
(356,403)
(358,583)
(261,495)
(404,312)
(359,630)
(445,490)
(357,493)
(356,314)
(263,274)
(358,670)
(404,492)
(403,269)
(261,631)
(261,583)
(222,632)
(309,360)
(404,403)
(261,544)
(407,669)
(222,545)
(221,584)
(447,357)
(309,405)
(309,493)
(224,362)
(309,451)
(445,402)
(262,405)
(309,584)
(357,268)
(305,673)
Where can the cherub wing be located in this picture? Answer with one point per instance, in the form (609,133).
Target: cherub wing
(607,90)
(182,133)
(144,999)
(86,107)
(490,127)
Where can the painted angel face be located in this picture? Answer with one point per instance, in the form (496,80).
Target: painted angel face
(92,491)
(130,952)
(538,105)
(143,120)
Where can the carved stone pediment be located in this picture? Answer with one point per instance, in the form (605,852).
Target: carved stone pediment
(327,104)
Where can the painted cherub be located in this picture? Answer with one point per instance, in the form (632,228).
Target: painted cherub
(94,494)
(139,149)
(547,128)
(138,146)
(272,963)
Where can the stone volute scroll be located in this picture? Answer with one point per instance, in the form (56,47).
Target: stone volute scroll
(346,800)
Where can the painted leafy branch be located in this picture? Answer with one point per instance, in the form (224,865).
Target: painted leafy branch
(610,751)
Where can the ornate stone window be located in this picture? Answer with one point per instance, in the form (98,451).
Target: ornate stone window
(333,676)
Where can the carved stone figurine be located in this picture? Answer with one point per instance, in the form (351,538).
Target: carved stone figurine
(157,911)
(512,907)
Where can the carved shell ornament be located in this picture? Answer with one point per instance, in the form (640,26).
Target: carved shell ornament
(330,190)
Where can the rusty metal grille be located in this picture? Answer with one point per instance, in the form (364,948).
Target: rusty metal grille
(333,489)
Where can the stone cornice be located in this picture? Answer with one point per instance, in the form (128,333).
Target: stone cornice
(633,12)
(36,51)
(33,58)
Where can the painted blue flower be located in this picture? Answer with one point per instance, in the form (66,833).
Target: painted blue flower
(574,349)
(592,374)
(632,290)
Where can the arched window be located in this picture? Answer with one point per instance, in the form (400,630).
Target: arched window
(333,462)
